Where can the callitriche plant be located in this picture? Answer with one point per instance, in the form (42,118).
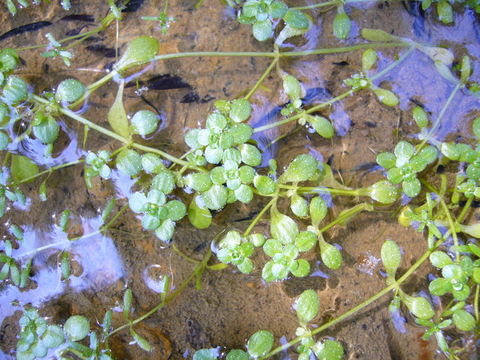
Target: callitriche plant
(425,181)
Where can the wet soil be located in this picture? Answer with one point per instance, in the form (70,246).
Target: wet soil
(230,306)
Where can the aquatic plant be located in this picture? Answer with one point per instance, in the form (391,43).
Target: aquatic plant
(222,165)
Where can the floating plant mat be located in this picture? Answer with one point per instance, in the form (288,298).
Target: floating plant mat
(239,179)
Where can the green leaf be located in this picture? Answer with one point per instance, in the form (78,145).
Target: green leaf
(386,160)
(475,128)
(292,87)
(305,240)
(341,24)
(264,184)
(386,97)
(377,35)
(328,350)
(420,117)
(215,198)
(244,194)
(296,19)
(144,122)
(420,307)
(301,269)
(301,168)
(299,206)
(322,126)
(412,188)
(152,164)
(127,303)
(318,210)
(165,231)
(53,337)
(445,12)
(391,257)
(240,110)
(237,354)
(76,327)
(142,342)
(331,256)
(283,227)
(22,168)
(117,117)
(4,140)
(15,90)
(463,320)
(307,306)
(440,259)
(129,162)
(439,287)
(250,154)
(69,90)
(240,133)
(277,9)
(262,30)
(465,69)
(198,181)
(164,182)
(206,354)
(260,343)
(369,58)
(140,51)
(47,131)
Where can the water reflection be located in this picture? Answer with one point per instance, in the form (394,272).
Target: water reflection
(95,253)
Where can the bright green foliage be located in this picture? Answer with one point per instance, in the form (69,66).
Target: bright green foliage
(307,306)
(418,306)
(117,116)
(69,90)
(139,51)
(302,168)
(328,350)
(454,278)
(206,354)
(198,214)
(322,126)
(144,122)
(382,191)
(36,336)
(45,128)
(97,165)
(129,162)
(341,24)
(330,255)
(391,257)
(77,327)
(358,82)
(404,164)
(15,90)
(261,14)
(55,49)
(235,249)
(369,58)
(260,343)
(284,256)
(22,168)
(222,143)
(463,320)
(420,116)
(158,213)
(385,96)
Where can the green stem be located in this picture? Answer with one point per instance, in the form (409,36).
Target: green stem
(358,307)
(440,115)
(259,216)
(262,78)
(465,210)
(319,5)
(393,64)
(69,241)
(347,214)
(118,137)
(452,228)
(199,268)
(50,170)
(475,302)
(300,115)
(337,98)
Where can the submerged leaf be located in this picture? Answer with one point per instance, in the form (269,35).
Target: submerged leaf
(22,168)
(117,117)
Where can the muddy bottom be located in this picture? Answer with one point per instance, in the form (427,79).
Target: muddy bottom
(230,306)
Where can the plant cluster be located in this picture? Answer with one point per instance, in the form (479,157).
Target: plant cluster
(223,166)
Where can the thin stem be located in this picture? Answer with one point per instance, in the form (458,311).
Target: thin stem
(475,302)
(50,170)
(69,241)
(358,307)
(118,137)
(465,209)
(259,216)
(199,268)
(300,115)
(452,228)
(440,115)
(393,64)
(262,78)
(315,6)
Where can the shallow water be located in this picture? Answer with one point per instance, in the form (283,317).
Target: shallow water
(230,306)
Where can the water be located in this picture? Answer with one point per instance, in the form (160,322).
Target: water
(230,306)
